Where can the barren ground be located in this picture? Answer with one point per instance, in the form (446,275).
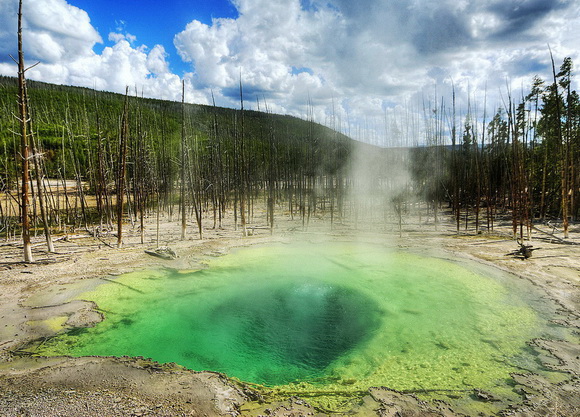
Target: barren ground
(35,303)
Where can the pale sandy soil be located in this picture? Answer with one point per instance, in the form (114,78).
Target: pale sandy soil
(35,303)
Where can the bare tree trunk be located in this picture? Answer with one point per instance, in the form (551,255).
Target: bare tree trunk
(140,177)
(271,172)
(182,167)
(219,182)
(40,192)
(23,143)
(455,174)
(563,154)
(121,168)
(242,165)
(544,179)
(195,185)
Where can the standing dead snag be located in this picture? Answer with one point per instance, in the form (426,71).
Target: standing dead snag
(25,131)
(24,151)
(182,164)
(241,174)
(562,152)
(40,191)
(121,168)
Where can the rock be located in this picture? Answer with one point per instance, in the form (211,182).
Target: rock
(484,396)
(162,252)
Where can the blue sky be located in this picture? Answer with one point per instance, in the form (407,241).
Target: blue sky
(153,21)
(365,66)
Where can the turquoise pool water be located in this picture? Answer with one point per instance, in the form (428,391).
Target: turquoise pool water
(332,316)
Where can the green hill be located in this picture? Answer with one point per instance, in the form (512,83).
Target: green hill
(229,156)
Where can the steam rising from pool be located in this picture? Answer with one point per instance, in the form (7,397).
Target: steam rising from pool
(335,316)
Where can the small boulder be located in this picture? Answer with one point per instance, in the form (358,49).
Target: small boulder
(163,252)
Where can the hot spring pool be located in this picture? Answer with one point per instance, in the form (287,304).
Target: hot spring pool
(326,317)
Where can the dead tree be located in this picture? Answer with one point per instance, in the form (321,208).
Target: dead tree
(25,131)
(121,168)
(242,169)
(562,152)
(24,148)
(182,164)
(195,183)
(40,192)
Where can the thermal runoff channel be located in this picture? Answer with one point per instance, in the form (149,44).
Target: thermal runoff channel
(332,316)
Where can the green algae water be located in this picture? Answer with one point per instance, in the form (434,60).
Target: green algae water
(325,317)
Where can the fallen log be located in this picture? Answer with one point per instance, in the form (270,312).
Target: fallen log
(559,239)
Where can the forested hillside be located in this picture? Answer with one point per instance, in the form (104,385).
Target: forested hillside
(198,158)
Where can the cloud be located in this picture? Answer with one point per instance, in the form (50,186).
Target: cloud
(53,30)
(359,61)
(117,67)
(277,49)
(119,36)
(368,51)
(62,38)
(519,16)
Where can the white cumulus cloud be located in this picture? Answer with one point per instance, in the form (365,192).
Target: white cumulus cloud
(53,30)
(362,62)
(62,39)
